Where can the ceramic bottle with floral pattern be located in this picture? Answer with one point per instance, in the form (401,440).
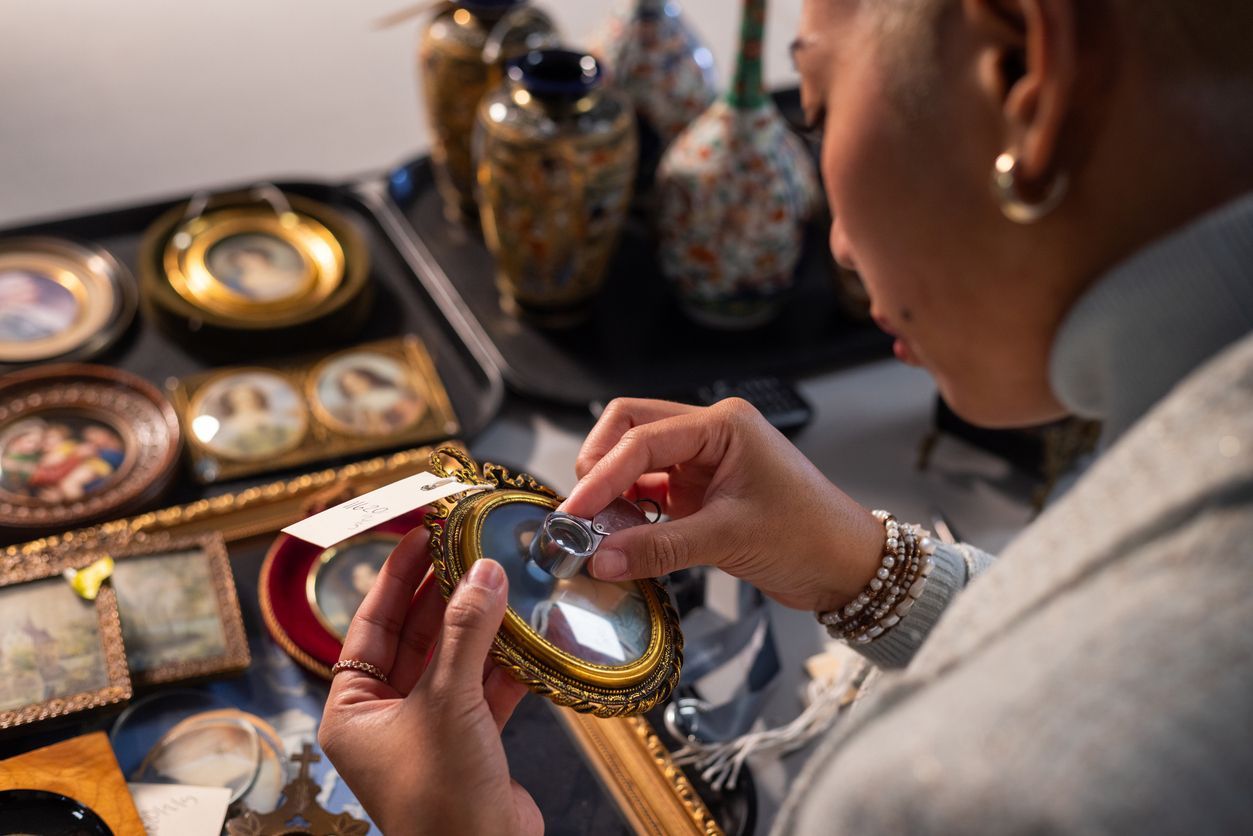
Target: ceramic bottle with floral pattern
(556,154)
(651,54)
(462,55)
(734,191)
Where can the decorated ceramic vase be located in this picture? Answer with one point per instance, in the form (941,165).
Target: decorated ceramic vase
(463,54)
(734,191)
(653,56)
(556,154)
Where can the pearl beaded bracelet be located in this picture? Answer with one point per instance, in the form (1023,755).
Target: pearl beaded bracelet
(892,592)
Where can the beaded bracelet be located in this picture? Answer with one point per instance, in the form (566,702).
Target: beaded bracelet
(891,594)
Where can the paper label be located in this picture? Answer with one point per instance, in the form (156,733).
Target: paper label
(179,810)
(348,519)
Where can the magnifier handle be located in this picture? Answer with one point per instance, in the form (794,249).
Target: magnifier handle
(619,514)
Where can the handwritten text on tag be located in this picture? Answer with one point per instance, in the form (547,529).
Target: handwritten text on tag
(334,525)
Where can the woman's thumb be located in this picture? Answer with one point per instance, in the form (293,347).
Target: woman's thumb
(650,551)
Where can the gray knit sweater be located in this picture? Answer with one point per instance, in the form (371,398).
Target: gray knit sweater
(1098,676)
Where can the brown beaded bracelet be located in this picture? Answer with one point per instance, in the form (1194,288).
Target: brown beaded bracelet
(891,594)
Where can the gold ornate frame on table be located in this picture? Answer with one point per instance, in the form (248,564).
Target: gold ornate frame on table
(607,691)
(652,793)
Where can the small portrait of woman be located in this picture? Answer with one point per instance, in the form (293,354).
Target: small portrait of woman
(367,393)
(343,575)
(34,307)
(59,457)
(260,267)
(249,415)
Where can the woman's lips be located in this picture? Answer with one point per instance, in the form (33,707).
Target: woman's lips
(904,353)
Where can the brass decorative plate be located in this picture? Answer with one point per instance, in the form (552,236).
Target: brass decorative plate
(60,300)
(603,648)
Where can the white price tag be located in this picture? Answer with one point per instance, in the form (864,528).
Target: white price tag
(177,810)
(334,525)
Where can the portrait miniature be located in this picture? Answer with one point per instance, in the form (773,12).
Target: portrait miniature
(341,577)
(368,393)
(258,267)
(79,443)
(34,306)
(60,457)
(248,415)
(60,300)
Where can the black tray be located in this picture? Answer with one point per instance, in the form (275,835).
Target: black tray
(401,306)
(636,340)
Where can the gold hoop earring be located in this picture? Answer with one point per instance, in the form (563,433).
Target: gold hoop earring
(1013,205)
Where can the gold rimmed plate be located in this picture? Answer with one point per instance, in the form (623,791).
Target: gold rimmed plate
(599,647)
(60,300)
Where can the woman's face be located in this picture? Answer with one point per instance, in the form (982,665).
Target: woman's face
(356,384)
(907,166)
(245,399)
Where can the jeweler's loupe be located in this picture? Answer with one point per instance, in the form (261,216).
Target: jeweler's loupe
(564,542)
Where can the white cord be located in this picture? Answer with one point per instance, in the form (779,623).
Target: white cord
(720,763)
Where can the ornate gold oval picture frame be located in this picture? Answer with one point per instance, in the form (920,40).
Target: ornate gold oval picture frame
(606,666)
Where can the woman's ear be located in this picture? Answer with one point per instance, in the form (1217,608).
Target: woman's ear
(1026,69)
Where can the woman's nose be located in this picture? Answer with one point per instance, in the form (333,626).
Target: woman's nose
(841,251)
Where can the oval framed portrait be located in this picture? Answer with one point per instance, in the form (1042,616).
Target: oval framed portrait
(365,392)
(342,575)
(80,442)
(60,300)
(598,647)
(247,414)
(251,264)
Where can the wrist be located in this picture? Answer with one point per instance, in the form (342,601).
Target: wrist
(892,591)
(853,568)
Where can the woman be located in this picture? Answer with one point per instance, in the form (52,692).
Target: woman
(375,404)
(1098,675)
(249,426)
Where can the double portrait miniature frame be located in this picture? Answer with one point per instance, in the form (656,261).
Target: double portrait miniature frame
(250,419)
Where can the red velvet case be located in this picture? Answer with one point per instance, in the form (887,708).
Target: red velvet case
(285,603)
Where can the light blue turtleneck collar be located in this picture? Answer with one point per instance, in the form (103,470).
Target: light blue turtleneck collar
(1154,318)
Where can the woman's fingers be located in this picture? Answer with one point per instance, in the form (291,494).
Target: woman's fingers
(502,693)
(472,617)
(375,630)
(645,449)
(619,416)
(418,636)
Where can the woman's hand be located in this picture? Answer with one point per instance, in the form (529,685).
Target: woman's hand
(423,752)
(740,496)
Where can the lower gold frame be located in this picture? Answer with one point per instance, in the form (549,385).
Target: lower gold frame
(653,794)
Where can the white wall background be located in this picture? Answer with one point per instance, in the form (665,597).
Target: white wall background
(105,102)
